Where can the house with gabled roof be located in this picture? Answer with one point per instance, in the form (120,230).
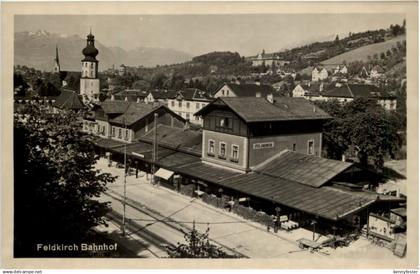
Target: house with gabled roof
(319,74)
(126,121)
(242,132)
(68,100)
(345,92)
(243,90)
(187,102)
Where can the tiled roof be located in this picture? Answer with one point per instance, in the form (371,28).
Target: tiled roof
(132,95)
(324,202)
(135,112)
(68,99)
(114,106)
(163,94)
(194,94)
(177,138)
(304,169)
(250,90)
(253,109)
(357,90)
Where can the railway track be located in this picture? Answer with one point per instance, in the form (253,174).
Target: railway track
(167,221)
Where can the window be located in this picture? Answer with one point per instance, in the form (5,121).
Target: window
(187,116)
(126,134)
(235,152)
(196,118)
(203,105)
(113,131)
(294,147)
(223,92)
(172,103)
(197,105)
(180,104)
(211,147)
(311,147)
(119,133)
(224,122)
(188,104)
(227,92)
(222,150)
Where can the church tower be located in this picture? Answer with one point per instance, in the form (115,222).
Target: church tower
(56,67)
(89,82)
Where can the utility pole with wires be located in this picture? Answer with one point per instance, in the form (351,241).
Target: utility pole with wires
(154,147)
(125,175)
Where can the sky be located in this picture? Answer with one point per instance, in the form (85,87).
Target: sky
(247,34)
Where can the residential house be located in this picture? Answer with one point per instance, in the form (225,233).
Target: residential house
(364,73)
(243,90)
(130,95)
(319,74)
(341,69)
(268,59)
(308,90)
(242,132)
(138,119)
(348,92)
(376,72)
(127,121)
(160,95)
(187,102)
(68,100)
(298,91)
(96,120)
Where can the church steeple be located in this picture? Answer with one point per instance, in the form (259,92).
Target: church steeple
(90,52)
(56,67)
(89,82)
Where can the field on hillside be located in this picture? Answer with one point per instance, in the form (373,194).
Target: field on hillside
(359,54)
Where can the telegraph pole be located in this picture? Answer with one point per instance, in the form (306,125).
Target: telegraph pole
(125,177)
(154,147)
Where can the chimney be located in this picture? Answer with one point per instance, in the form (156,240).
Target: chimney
(112,97)
(270,98)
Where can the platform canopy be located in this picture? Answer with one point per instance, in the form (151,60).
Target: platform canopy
(164,173)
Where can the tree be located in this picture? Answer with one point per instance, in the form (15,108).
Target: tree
(363,126)
(55,183)
(197,245)
(141,85)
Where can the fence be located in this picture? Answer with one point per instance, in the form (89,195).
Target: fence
(243,211)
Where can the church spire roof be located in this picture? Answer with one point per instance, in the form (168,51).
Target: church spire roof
(56,55)
(90,51)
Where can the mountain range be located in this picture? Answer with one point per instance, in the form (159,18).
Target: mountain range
(37,50)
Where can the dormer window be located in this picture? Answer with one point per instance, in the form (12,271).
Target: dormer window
(224,122)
